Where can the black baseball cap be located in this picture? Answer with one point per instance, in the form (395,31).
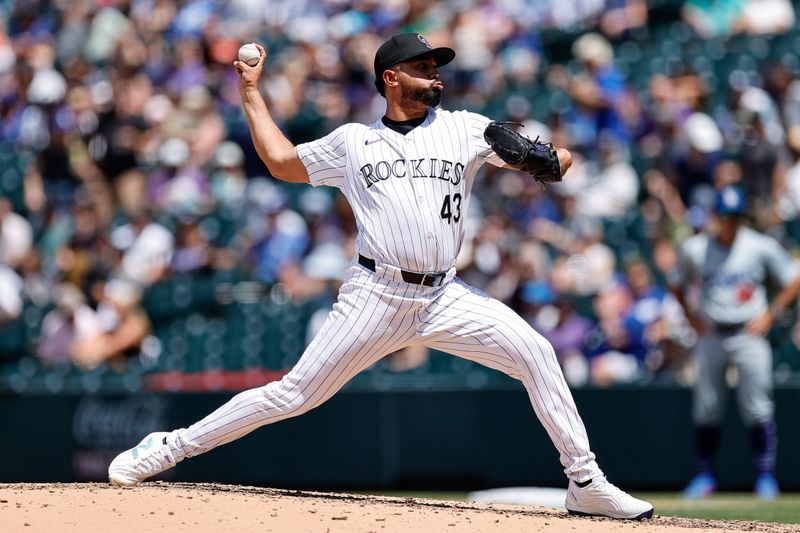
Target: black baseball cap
(404,47)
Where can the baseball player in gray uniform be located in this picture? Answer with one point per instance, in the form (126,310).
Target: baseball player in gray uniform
(731,268)
(407,178)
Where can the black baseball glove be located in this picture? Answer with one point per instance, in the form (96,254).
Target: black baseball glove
(536,158)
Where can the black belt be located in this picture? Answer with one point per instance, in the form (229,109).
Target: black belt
(430,279)
(728,328)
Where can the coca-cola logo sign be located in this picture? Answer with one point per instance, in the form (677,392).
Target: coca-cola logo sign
(106,423)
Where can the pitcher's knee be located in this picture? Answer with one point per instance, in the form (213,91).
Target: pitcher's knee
(287,397)
(535,347)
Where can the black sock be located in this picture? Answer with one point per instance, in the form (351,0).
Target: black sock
(706,446)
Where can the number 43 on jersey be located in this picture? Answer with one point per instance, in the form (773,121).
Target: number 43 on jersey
(451,210)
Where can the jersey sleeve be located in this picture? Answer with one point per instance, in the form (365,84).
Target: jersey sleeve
(326,158)
(476,124)
(780,263)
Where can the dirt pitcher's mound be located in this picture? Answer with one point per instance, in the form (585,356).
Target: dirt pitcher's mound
(178,507)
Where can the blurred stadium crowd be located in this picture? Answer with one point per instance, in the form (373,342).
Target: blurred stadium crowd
(139,230)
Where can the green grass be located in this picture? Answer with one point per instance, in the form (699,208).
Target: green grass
(723,506)
(729,506)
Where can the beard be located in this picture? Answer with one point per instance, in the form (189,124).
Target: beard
(430,96)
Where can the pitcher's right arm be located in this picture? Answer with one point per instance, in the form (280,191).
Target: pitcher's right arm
(274,149)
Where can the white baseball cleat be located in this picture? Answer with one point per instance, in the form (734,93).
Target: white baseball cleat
(601,498)
(148,458)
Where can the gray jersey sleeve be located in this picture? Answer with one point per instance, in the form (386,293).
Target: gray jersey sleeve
(326,158)
(781,266)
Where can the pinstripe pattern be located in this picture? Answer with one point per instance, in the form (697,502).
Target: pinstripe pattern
(375,316)
(357,333)
(396,185)
(468,323)
(398,207)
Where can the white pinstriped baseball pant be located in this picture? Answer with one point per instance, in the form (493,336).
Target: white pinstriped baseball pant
(377,314)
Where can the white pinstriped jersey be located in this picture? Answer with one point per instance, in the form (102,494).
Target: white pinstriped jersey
(409,193)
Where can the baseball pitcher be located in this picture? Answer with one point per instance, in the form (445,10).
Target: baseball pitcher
(408,178)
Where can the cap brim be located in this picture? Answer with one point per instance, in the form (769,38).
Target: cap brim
(442,55)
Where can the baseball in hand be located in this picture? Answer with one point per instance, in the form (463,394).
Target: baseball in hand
(248,53)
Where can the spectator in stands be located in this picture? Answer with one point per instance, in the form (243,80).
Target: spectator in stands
(715,19)
(623,18)
(710,18)
(197,114)
(641,334)
(192,252)
(121,131)
(71,322)
(789,193)
(555,318)
(276,236)
(11,286)
(612,354)
(80,243)
(178,186)
(613,187)
(324,226)
(765,17)
(658,331)
(791,111)
(228,178)
(587,264)
(37,285)
(692,160)
(16,235)
(146,248)
(597,94)
(672,99)
(491,261)
(123,327)
(763,165)
(664,210)
(747,104)
(529,202)
(571,14)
